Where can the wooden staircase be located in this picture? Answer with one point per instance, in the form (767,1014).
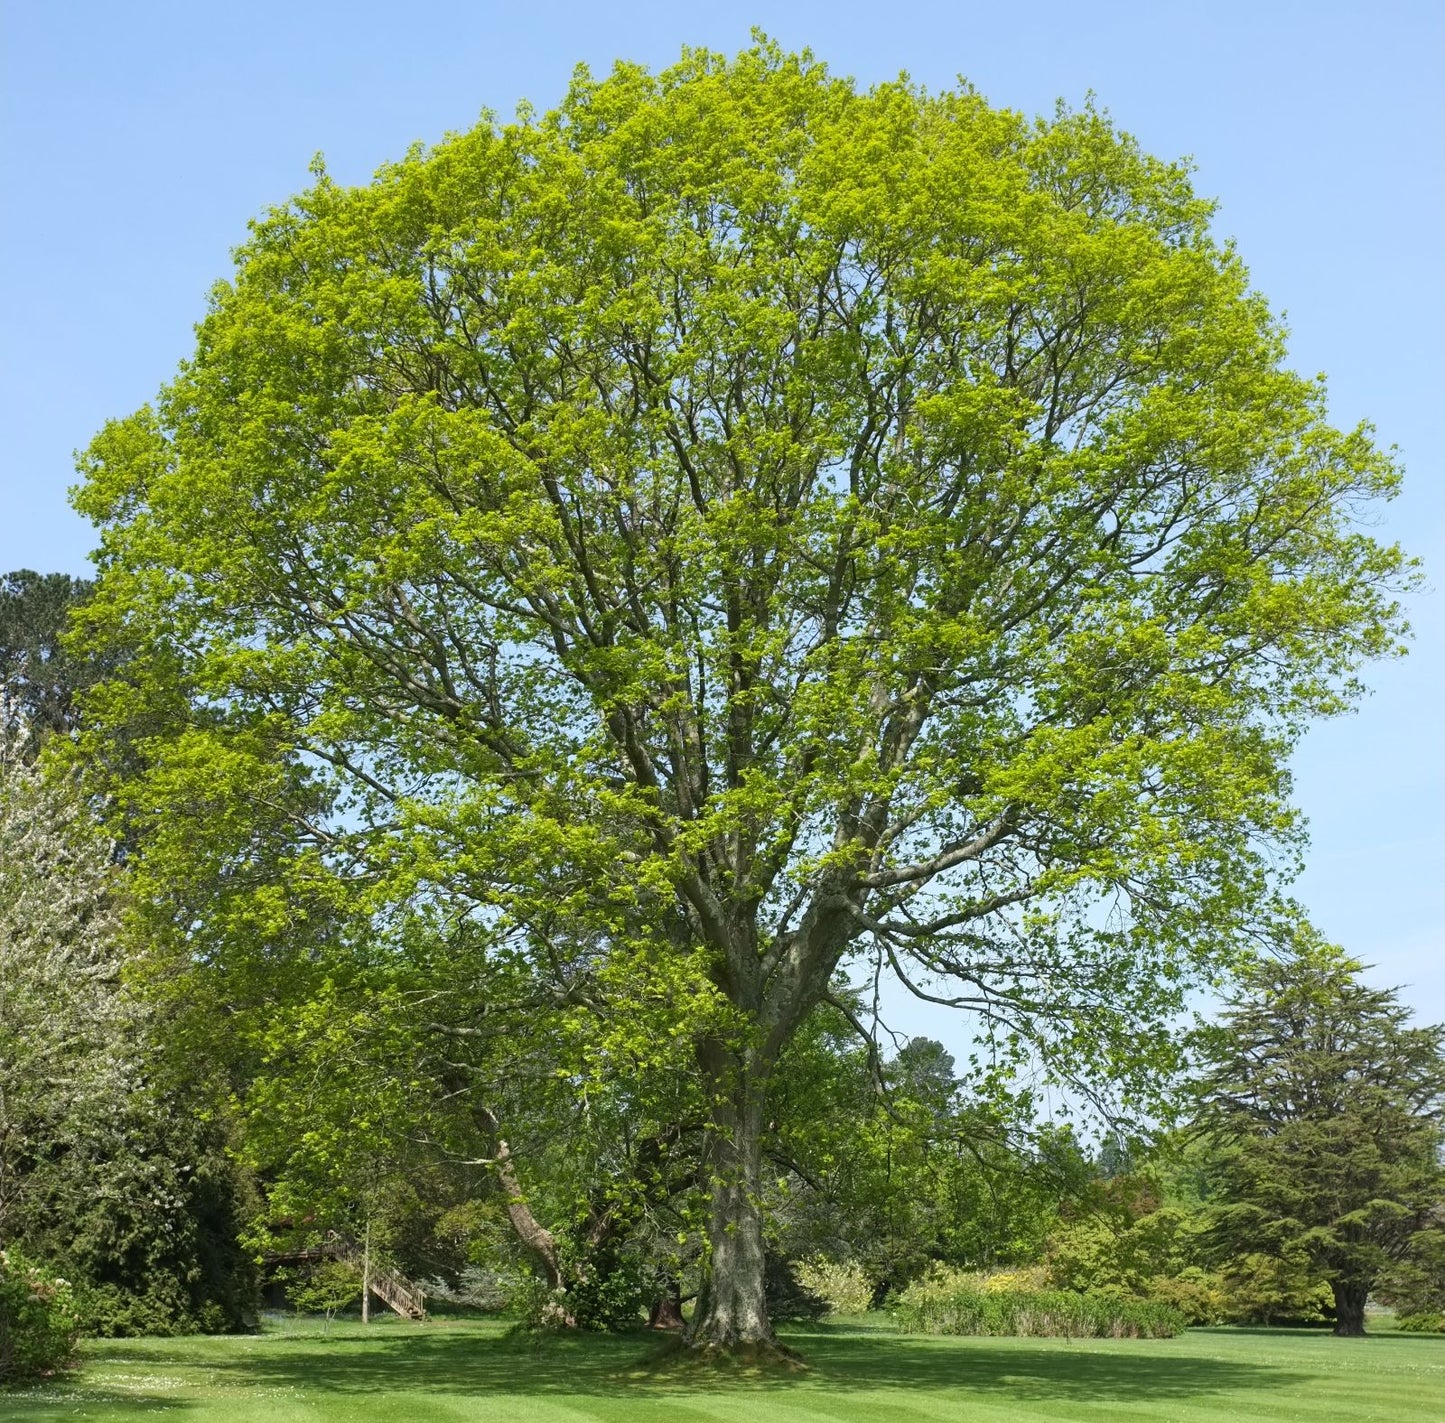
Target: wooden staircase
(395,1291)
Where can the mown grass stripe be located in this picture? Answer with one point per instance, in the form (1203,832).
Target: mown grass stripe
(471,1373)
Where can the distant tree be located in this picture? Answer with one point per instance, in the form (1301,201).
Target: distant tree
(1325,1108)
(784,522)
(894,1163)
(326,1288)
(39,675)
(1415,1286)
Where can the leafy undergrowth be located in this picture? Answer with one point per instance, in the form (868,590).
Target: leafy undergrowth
(857,1371)
(1424,1323)
(945,1305)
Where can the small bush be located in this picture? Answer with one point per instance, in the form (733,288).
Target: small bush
(1198,1295)
(841,1285)
(611,1294)
(539,1308)
(1423,1323)
(38,1324)
(488,1291)
(951,1302)
(327,1287)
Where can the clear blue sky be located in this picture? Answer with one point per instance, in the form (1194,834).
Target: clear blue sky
(138,139)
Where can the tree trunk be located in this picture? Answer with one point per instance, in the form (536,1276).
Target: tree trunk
(667,1308)
(1350,1299)
(366,1276)
(534,1236)
(732,1311)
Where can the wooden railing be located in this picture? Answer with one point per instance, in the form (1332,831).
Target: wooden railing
(395,1291)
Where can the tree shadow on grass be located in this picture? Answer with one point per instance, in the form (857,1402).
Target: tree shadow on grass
(456,1362)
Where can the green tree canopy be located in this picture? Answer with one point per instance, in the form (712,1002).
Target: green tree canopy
(891,1166)
(368,1077)
(768,521)
(1326,1108)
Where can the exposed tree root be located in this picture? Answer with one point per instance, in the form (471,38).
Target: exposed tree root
(745,1359)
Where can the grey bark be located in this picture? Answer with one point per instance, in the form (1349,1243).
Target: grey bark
(732,1310)
(534,1236)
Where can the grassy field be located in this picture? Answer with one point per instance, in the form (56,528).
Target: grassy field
(406,1373)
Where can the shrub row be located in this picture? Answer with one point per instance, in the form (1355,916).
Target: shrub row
(1428,1323)
(949,1303)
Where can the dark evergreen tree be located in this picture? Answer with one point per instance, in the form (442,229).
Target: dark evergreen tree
(39,676)
(1326,1107)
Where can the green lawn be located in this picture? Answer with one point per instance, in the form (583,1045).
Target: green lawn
(406,1373)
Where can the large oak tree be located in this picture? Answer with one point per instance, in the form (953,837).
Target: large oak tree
(773,523)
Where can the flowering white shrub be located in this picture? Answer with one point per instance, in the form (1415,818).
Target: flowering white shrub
(841,1285)
(61,1010)
(38,1325)
(105,1163)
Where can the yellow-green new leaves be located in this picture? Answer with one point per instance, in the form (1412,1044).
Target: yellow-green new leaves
(757,517)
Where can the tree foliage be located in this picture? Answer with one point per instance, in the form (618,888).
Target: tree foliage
(1327,1108)
(768,523)
(894,1165)
(111,1169)
(40,675)
(60,1009)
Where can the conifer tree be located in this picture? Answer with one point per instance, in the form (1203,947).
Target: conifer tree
(1326,1106)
